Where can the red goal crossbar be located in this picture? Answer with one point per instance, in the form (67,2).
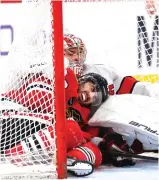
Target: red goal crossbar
(10,1)
(19,1)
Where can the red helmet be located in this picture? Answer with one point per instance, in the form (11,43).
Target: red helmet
(71,41)
(75,51)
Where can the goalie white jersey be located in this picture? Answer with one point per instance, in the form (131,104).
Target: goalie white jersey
(118,84)
(133,116)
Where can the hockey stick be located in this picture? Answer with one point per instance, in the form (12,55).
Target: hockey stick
(137,156)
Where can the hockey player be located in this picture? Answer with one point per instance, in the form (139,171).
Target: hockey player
(26,124)
(92,92)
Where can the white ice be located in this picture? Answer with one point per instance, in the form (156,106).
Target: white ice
(143,170)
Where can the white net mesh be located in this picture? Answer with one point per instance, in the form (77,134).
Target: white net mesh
(32,44)
(27,134)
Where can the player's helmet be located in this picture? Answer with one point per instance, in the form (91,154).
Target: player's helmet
(100,83)
(70,42)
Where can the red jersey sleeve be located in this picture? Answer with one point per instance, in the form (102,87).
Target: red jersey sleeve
(71,85)
(126,85)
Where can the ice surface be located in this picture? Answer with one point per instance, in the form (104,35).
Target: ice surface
(143,170)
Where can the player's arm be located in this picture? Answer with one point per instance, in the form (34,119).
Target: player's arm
(107,140)
(117,82)
(71,85)
(128,85)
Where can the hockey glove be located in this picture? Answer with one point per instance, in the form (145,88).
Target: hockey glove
(113,143)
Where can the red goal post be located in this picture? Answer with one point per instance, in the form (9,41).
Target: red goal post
(58,117)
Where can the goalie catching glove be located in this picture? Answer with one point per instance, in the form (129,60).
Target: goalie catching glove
(112,143)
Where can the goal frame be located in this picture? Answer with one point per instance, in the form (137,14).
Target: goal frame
(58,90)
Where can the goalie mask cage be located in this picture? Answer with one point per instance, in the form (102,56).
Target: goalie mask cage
(36,52)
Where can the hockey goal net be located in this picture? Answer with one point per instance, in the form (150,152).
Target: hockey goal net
(32,126)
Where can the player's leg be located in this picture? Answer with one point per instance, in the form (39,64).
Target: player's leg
(89,155)
(87,152)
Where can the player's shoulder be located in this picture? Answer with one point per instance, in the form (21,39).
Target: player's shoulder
(70,77)
(69,71)
(88,65)
(96,68)
(69,74)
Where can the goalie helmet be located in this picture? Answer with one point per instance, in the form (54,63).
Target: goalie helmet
(100,83)
(75,51)
(71,41)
